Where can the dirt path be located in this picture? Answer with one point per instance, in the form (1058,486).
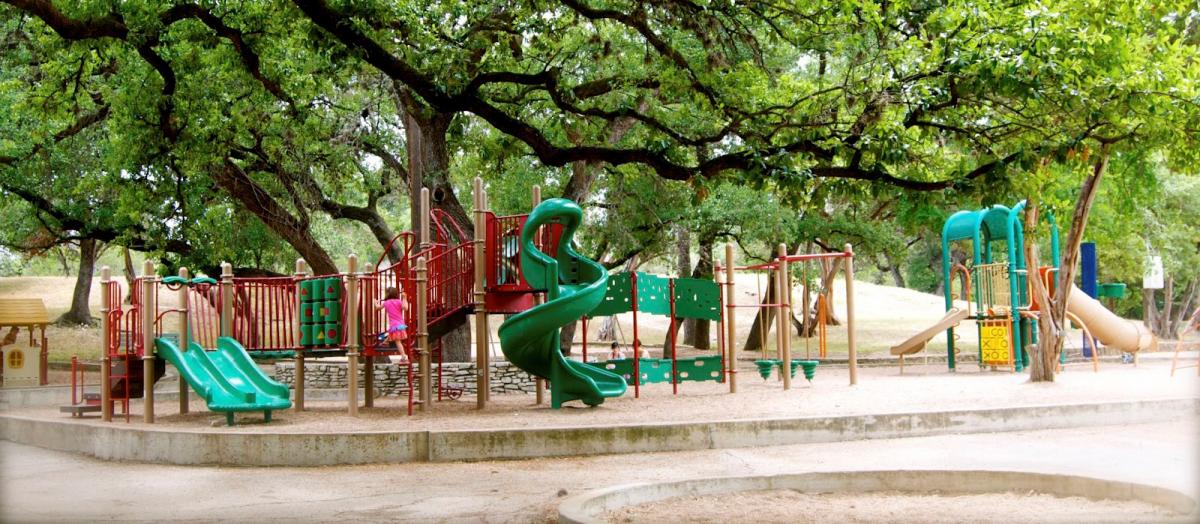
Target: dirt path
(41,485)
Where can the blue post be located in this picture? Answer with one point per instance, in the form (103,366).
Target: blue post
(1087,277)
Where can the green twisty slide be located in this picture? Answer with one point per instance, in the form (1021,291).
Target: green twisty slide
(574,287)
(227,378)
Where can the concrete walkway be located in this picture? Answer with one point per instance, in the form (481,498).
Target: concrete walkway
(41,485)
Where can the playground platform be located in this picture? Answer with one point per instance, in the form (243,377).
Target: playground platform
(926,401)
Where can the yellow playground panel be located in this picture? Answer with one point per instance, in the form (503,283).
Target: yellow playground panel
(995,342)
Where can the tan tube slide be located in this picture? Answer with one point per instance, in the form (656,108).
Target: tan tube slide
(1124,334)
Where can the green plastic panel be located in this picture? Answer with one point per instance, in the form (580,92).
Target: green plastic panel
(616,297)
(696,298)
(653,294)
(658,370)
(699,369)
(653,370)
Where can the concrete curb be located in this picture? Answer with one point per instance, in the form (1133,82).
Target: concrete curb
(588,507)
(198,447)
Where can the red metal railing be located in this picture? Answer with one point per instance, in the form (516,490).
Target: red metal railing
(503,248)
(440,218)
(404,243)
(204,315)
(451,276)
(128,323)
(123,342)
(265,313)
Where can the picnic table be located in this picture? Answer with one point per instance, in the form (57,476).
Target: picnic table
(28,313)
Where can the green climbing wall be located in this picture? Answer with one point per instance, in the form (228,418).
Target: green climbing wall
(616,298)
(321,312)
(694,298)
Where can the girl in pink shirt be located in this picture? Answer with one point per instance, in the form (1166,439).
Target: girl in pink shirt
(393,304)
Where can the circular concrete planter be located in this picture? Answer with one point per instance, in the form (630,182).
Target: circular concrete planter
(588,507)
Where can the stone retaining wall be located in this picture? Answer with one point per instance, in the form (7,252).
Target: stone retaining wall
(392,379)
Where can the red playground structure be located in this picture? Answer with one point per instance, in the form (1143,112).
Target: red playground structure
(445,274)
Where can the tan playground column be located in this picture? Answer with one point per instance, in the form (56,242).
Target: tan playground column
(105,361)
(423,375)
(185,307)
(352,366)
(226,299)
(730,319)
(298,370)
(351,331)
(482,385)
(423,223)
(149,312)
(359,312)
(783,318)
(853,352)
(538,383)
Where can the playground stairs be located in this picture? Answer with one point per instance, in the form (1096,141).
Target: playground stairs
(125,383)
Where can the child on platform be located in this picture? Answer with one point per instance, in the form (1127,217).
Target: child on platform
(393,304)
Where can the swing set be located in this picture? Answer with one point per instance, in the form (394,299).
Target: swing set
(779,277)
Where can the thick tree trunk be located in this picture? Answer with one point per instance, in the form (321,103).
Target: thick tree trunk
(1149,309)
(429,161)
(130,274)
(1167,322)
(1048,347)
(761,326)
(80,312)
(699,338)
(1164,318)
(63,264)
(1041,368)
(893,268)
(1189,298)
(429,168)
(368,216)
(829,271)
(291,228)
(683,267)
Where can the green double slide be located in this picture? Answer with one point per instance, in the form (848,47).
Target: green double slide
(574,286)
(227,378)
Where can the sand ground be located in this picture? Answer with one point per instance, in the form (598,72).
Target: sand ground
(880,390)
(788,506)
